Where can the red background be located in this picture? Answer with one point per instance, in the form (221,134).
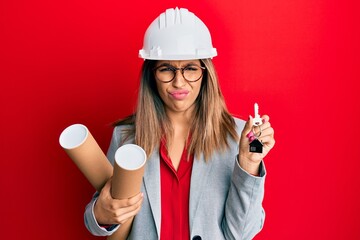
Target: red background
(64,62)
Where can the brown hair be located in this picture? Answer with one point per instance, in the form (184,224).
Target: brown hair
(211,124)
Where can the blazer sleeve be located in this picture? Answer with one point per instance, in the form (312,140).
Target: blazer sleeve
(244,215)
(89,217)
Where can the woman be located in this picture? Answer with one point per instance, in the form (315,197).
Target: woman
(200,181)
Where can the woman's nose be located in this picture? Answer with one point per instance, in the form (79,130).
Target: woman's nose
(179,80)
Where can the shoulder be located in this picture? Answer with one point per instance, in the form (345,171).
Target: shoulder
(123,133)
(118,129)
(239,124)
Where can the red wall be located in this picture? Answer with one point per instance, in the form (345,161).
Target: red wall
(63,62)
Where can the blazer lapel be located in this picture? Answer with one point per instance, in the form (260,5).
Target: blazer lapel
(199,175)
(152,187)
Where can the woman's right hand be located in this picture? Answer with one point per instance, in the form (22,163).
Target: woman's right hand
(109,211)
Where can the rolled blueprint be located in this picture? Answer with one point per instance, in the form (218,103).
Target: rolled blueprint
(82,148)
(128,171)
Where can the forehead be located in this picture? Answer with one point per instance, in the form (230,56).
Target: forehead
(178,63)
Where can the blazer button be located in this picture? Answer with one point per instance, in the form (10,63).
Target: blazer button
(197,237)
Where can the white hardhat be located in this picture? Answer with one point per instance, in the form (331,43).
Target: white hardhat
(177,34)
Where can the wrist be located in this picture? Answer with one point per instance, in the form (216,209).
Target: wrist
(249,166)
(97,215)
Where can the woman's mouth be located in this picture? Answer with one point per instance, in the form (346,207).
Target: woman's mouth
(179,94)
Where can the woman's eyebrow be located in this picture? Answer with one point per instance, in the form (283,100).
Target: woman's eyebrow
(165,64)
(182,66)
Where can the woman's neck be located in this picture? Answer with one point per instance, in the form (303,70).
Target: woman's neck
(181,123)
(180,120)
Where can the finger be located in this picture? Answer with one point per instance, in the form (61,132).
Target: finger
(248,126)
(125,213)
(117,204)
(128,215)
(267,132)
(133,213)
(121,211)
(250,134)
(265,118)
(265,125)
(268,141)
(131,201)
(259,130)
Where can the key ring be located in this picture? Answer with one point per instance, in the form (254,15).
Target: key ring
(254,131)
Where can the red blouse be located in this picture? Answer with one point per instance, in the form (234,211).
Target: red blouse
(175,191)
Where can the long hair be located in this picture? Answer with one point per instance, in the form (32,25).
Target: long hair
(211,124)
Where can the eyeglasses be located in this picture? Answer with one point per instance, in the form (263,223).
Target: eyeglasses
(166,73)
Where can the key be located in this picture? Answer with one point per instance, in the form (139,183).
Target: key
(257,119)
(256,145)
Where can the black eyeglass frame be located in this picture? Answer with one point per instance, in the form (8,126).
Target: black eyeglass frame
(174,70)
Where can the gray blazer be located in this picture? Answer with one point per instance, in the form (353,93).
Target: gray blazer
(225,201)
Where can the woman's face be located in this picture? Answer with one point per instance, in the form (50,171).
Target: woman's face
(179,94)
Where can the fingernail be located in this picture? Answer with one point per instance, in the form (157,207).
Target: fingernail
(264,120)
(250,134)
(252,138)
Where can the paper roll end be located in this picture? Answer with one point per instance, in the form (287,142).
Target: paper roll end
(130,157)
(73,136)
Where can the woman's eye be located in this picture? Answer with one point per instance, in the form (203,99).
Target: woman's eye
(166,69)
(191,68)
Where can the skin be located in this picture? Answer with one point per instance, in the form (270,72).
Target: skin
(249,161)
(175,107)
(108,210)
(179,111)
(112,211)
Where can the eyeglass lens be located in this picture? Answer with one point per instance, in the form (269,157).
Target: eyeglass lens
(167,73)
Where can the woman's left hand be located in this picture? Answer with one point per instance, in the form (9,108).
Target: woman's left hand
(250,161)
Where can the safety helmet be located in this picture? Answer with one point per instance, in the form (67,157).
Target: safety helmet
(177,34)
